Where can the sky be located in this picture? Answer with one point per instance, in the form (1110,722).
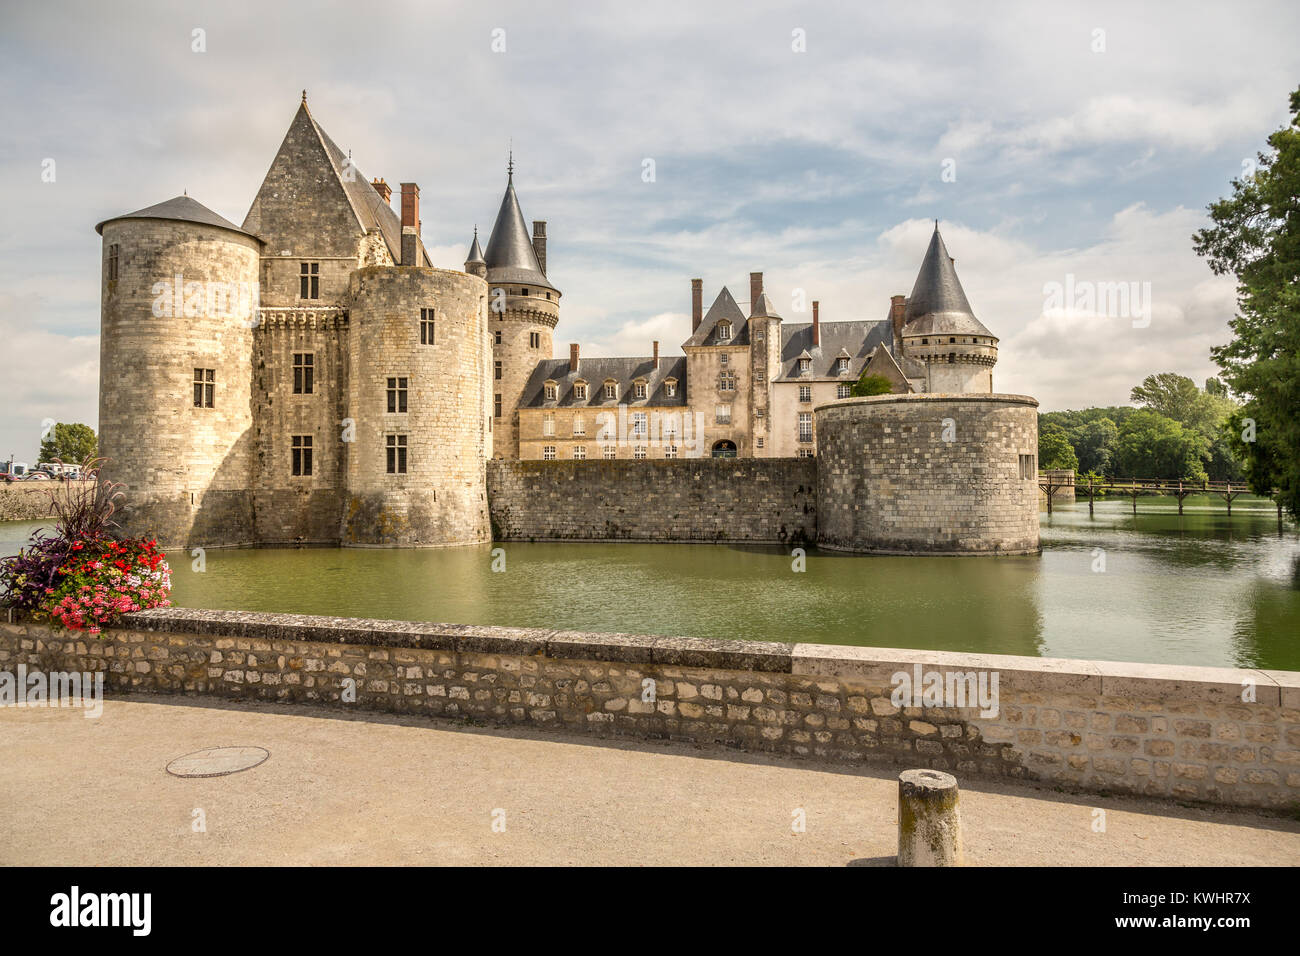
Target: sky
(1059,147)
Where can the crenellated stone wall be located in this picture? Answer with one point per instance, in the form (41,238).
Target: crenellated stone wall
(768,500)
(1221,736)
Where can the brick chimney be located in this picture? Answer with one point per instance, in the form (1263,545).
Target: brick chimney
(385,191)
(755,290)
(817,326)
(897,314)
(539,242)
(573,356)
(656,354)
(411,206)
(697,303)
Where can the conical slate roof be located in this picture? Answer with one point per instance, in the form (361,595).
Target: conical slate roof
(937,304)
(180,209)
(475,252)
(510,256)
(764,308)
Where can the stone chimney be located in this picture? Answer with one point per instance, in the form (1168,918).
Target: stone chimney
(755,290)
(817,326)
(573,356)
(385,191)
(697,303)
(411,206)
(656,354)
(539,242)
(897,315)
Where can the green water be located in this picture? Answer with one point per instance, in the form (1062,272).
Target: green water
(1202,588)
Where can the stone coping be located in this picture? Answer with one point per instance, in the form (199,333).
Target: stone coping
(946,398)
(874,665)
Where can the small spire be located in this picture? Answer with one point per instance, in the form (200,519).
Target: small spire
(936,225)
(510,166)
(304,97)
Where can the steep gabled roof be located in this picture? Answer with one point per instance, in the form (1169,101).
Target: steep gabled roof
(510,256)
(938,303)
(856,338)
(724,307)
(595,371)
(180,209)
(313,178)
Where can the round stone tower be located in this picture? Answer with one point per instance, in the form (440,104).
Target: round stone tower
(941,332)
(928,474)
(523,310)
(178,306)
(418,367)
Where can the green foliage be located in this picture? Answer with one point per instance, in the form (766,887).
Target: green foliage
(872,385)
(1153,446)
(1055,450)
(71,444)
(1095,445)
(1255,236)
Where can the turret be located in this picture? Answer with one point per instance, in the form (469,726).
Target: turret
(941,332)
(475,264)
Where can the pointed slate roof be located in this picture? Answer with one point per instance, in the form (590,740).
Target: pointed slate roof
(724,307)
(938,303)
(856,338)
(763,308)
(510,255)
(180,209)
(475,252)
(313,188)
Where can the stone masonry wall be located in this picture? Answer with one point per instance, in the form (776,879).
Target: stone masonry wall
(1182,733)
(929,474)
(25,501)
(685,499)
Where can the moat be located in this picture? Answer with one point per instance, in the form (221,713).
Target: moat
(1202,589)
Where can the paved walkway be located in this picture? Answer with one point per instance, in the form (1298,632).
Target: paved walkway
(374,789)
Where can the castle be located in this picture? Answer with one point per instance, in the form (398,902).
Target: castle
(309,376)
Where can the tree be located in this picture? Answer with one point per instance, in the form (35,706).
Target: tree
(1255,236)
(70,444)
(1095,446)
(1172,395)
(872,385)
(1055,450)
(1153,446)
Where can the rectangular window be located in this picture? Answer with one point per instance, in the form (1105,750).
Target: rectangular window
(551,391)
(611,390)
(611,452)
(724,331)
(639,389)
(205,384)
(579,426)
(579,452)
(496,370)
(496,406)
(396,448)
(760,414)
(724,359)
(805,393)
(496,336)
(548,425)
(722,414)
(534,340)
(302,454)
(548,453)
(670,451)
(1027,469)
(670,389)
(805,453)
(844,366)
(640,424)
(805,426)
(727,382)
(843,390)
(112,262)
(304,373)
(758,338)
(397,394)
(580,392)
(426,326)
(309,280)
(638,452)
(758,442)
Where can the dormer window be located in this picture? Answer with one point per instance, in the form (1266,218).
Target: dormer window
(670,387)
(724,331)
(580,391)
(805,366)
(551,391)
(611,389)
(639,389)
(844,366)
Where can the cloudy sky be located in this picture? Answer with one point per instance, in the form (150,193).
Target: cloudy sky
(814,142)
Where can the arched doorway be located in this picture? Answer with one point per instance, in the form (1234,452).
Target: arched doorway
(724,449)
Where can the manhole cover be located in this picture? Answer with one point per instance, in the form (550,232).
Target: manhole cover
(217,761)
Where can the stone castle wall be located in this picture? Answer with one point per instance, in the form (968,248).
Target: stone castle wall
(1181,733)
(686,499)
(25,500)
(928,474)
(188,471)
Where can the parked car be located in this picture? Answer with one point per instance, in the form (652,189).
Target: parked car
(36,476)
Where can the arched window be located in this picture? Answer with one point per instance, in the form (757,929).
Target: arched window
(724,449)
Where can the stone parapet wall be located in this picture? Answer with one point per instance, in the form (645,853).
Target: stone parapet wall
(771,500)
(1182,733)
(25,500)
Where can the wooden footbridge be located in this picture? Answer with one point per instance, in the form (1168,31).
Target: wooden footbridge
(1050,482)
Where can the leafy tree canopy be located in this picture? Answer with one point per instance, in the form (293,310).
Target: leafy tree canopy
(872,385)
(71,444)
